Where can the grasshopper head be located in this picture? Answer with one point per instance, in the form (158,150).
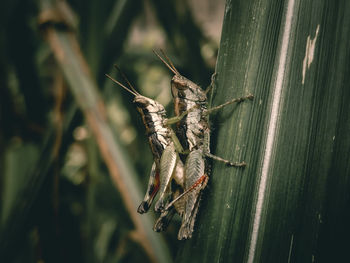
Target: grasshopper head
(181,87)
(185,89)
(147,105)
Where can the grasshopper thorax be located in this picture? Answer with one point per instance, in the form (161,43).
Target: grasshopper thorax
(152,113)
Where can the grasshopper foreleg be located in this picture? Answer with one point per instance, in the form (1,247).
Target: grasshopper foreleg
(176,119)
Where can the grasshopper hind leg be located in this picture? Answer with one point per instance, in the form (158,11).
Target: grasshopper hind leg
(152,190)
(170,166)
(167,214)
(164,220)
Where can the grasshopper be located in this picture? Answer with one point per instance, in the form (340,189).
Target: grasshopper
(193,130)
(165,147)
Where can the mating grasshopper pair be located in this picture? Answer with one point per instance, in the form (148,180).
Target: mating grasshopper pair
(180,185)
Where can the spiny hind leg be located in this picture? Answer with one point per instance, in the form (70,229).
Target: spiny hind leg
(152,190)
(166,215)
(164,219)
(198,185)
(168,163)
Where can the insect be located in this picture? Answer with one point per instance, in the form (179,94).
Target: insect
(167,172)
(193,131)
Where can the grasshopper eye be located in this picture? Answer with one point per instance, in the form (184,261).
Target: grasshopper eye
(140,105)
(182,87)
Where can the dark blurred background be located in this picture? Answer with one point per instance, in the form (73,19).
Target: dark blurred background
(58,200)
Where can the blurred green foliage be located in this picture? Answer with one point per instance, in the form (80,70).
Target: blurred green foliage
(58,203)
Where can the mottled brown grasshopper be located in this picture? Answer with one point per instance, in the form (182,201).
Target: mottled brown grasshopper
(167,173)
(193,131)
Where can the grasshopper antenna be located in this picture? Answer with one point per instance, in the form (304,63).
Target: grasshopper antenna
(121,85)
(126,79)
(169,61)
(173,69)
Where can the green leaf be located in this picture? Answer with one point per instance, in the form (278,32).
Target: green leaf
(291,202)
(20,158)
